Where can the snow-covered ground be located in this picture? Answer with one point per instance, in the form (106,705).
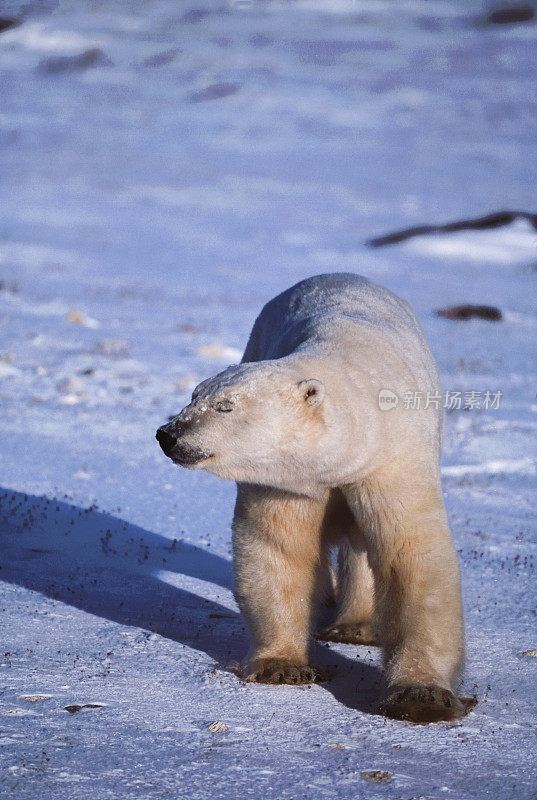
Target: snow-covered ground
(166,168)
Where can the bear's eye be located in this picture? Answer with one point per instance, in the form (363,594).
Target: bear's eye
(223,406)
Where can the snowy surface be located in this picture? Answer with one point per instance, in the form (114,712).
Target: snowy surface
(155,194)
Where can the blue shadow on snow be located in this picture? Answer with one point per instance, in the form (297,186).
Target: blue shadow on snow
(108,567)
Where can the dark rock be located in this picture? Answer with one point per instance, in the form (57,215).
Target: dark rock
(8,22)
(511,15)
(494,220)
(74,708)
(160,59)
(214,92)
(490,313)
(94,57)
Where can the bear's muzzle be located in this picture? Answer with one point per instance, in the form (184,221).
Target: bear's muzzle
(179,452)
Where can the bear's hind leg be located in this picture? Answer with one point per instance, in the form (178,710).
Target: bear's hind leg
(276,560)
(355,600)
(418,595)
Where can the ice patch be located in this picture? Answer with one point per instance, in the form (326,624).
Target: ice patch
(82,475)
(524,466)
(8,371)
(35,36)
(524,320)
(511,245)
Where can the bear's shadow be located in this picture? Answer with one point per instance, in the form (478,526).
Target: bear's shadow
(113,569)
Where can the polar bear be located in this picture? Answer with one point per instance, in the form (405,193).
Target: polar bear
(320,462)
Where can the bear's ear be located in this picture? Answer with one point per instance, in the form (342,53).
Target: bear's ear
(312,391)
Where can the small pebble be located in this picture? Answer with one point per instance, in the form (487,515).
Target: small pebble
(217,727)
(76,318)
(33,698)
(376,776)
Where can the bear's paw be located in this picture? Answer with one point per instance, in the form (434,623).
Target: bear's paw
(350,633)
(276,671)
(423,704)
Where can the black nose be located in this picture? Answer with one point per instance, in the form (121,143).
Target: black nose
(166,440)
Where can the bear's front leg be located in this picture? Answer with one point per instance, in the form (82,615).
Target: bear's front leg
(276,561)
(418,596)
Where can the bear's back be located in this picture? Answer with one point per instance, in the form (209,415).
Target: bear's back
(338,293)
(319,308)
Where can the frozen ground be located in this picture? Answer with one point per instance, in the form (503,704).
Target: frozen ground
(156,191)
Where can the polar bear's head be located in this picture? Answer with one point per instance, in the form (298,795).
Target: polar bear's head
(269,423)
